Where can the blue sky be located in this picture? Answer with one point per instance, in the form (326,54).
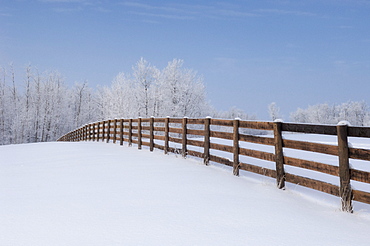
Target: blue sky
(250,53)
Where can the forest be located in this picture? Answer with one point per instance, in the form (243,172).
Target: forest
(40,106)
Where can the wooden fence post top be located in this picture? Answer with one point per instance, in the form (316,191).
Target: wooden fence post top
(345,191)
(279,154)
(184,136)
(206,154)
(236,147)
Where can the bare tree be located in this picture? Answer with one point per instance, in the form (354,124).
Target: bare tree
(274,111)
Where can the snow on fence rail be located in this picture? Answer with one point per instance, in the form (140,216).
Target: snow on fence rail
(201,138)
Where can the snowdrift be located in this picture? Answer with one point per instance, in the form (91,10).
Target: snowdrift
(105,194)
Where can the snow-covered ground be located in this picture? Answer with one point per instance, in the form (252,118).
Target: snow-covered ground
(92,193)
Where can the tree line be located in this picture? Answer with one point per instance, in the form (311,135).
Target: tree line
(356,113)
(40,106)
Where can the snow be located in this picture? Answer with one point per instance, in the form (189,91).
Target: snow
(92,193)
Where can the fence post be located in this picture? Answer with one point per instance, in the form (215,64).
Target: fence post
(139,141)
(166,134)
(236,147)
(115,131)
(151,144)
(279,156)
(184,136)
(207,133)
(97,131)
(121,132)
(103,130)
(345,191)
(88,132)
(130,132)
(108,131)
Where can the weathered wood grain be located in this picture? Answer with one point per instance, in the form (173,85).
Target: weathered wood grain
(279,156)
(311,165)
(360,154)
(313,184)
(221,147)
(195,121)
(361,196)
(221,160)
(258,170)
(195,132)
(309,128)
(221,122)
(195,143)
(175,120)
(222,135)
(175,130)
(360,175)
(309,146)
(257,154)
(256,139)
(259,125)
(359,131)
(175,140)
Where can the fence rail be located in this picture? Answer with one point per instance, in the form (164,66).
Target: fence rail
(197,137)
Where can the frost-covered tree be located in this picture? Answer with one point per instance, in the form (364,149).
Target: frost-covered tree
(82,103)
(6,113)
(357,113)
(145,77)
(118,100)
(233,113)
(182,91)
(174,91)
(274,111)
(39,107)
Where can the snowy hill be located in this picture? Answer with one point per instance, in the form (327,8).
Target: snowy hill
(105,194)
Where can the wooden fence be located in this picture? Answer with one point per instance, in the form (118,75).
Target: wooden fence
(196,138)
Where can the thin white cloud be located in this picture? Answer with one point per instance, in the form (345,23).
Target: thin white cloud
(286,12)
(67,10)
(69,6)
(346,27)
(5,14)
(102,9)
(233,13)
(63,1)
(165,16)
(149,7)
(187,11)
